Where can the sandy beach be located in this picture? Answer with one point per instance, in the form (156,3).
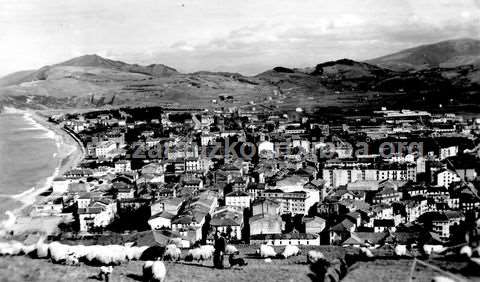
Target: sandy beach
(70,153)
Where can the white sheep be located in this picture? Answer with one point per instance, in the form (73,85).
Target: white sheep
(134,253)
(290,251)
(266,251)
(314,256)
(208,249)
(72,260)
(442,279)
(429,249)
(401,250)
(231,250)
(268,260)
(41,250)
(58,252)
(198,254)
(12,248)
(366,252)
(154,271)
(466,251)
(172,253)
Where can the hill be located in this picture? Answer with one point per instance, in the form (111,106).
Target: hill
(445,54)
(343,86)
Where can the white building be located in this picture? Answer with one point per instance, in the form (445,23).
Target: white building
(238,199)
(105,149)
(122,166)
(60,185)
(161,220)
(448,152)
(446,177)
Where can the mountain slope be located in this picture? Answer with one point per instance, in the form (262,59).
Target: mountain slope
(17,77)
(91,81)
(84,64)
(446,54)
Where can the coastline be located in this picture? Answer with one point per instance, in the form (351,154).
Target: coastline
(70,153)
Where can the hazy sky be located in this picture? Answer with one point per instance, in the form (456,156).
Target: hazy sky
(247,36)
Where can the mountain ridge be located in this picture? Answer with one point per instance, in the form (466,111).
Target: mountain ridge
(445,54)
(94,81)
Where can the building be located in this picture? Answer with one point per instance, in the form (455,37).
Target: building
(290,202)
(314,225)
(387,196)
(447,152)
(341,174)
(161,220)
(123,166)
(264,206)
(292,238)
(446,177)
(105,149)
(60,185)
(238,199)
(442,222)
(228,222)
(98,214)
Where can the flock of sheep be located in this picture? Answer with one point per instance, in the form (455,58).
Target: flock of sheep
(155,270)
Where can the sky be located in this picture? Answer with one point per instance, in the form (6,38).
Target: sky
(246,36)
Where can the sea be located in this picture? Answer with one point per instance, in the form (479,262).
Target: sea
(28,158)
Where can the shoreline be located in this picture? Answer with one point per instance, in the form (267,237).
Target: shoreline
(70,153)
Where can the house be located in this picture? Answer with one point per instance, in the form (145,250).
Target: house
(442,222)
(161,220)
(445,177)
(238,199)
(60,185)
(414,209)
(447,152)
(341,231)
(229,222)
(314,225)
(365,239)
(387,196)
(52,206)
(194,184)
(264,206)
(296,202)
(105,149)
(122,166)
(171,205)
(292,238)
(254,189)
(331,209)
(351,195)
(364,185)
(98,214)
(123,190)
(266,224)
(383,225)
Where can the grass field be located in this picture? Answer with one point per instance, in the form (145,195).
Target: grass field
(293,269)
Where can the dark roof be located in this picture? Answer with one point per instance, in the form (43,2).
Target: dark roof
(163,214)
(237,194)
(343,226)
(384,223)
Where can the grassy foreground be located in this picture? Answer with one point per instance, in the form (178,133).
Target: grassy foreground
(23,268)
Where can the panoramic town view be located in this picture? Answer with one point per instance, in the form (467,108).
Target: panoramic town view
(282,149)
